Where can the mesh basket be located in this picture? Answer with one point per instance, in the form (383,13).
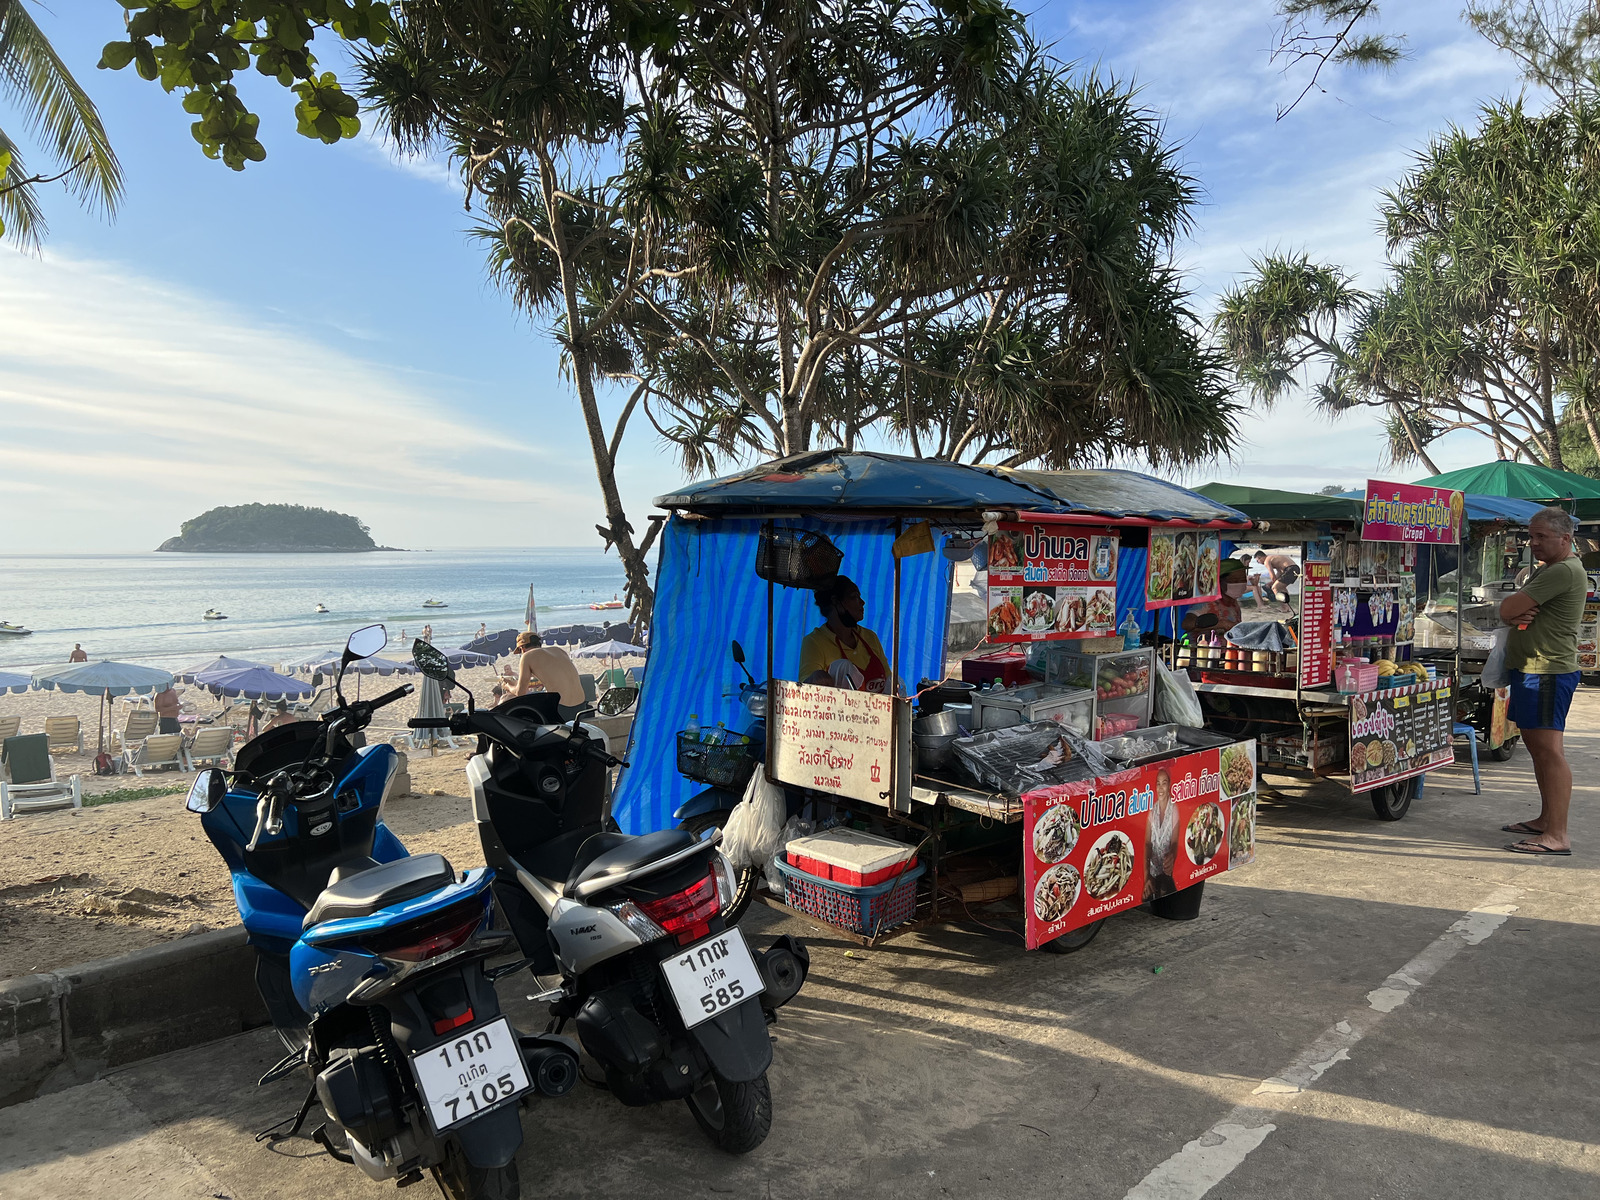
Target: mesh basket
(796,558)
(862,909)
(724,766)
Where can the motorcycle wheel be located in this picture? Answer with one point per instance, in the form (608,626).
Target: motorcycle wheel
(460,1180)
(749,878)
(735,1116)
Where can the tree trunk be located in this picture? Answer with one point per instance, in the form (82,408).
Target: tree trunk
(1416,442)
(1589,424)
(1547,404)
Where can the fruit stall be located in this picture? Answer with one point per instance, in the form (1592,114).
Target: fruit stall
(1031,784)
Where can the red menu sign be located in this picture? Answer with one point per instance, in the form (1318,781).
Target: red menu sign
(1407,512)
(1096,847)
(1316,625)
(1048,582)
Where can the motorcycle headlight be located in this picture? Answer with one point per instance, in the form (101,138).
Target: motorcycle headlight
(727,880)
(756,704)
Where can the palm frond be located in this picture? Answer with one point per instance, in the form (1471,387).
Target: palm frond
(20,215)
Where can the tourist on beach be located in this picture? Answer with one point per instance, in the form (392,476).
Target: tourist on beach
(483,629)
(550,667)
(77,654)
(281,716)
(1284,572)
(427,634)
(167,707)
(1542,660)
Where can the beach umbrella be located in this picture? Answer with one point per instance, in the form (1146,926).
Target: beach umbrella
(611,649)
(103,679)
(495,645)
(253,683)
(14,683)
(376,666)
(221,663)
(430,704)
(327,662)
(467,658)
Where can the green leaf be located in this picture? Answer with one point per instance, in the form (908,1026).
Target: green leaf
(116,55)
(5,162)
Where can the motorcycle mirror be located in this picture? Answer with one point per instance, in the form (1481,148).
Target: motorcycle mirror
(207,791)
(365,642)
(431,661)
(738,654)
(617,701)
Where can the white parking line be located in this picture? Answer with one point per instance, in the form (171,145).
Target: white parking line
(1212,1157)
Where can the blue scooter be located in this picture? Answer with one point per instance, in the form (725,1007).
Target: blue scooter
(371,962)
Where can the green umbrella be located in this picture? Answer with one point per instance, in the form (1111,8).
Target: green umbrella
(1269,504)
(1525,481)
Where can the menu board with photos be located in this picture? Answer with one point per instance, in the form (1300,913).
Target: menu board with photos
(1182,567)
(1103,845)
(1396,733)
(1589,637)
(1049,582)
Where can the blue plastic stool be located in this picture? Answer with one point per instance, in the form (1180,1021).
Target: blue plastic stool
(1461,729)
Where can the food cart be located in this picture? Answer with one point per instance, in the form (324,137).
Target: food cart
(1371,588)
(1026,810)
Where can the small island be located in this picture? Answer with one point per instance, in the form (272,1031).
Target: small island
(272,529)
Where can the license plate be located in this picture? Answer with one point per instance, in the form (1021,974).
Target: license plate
(474,1071)
(712,976)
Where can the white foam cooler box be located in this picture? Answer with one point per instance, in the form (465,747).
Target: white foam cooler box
(851,857)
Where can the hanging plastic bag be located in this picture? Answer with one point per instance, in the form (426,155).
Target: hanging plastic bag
(754,828)
(1495,674)
(793,828)
(1176,701)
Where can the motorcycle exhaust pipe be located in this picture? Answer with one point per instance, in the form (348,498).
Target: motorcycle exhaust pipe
(552,1063)
(783,967)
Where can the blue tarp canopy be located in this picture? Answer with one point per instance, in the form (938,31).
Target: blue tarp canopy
(708,595)
(860,479)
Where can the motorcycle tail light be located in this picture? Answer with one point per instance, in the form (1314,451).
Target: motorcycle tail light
(631,915)
(429,938)
(687,913)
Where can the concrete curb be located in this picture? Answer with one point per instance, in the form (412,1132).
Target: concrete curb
(60,1028)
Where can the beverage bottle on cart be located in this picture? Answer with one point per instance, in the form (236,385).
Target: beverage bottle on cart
(693,727)
(1130,632)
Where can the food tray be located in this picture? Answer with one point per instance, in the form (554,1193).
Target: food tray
(865,910)
(1188,741)
(725,766)
(1007,759)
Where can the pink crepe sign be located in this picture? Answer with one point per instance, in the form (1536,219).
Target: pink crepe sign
(1409,512)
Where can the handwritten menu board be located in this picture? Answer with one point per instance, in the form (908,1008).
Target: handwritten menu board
(1396,733)
(1050,582)
(1316,626)
(832,739)
(1102,845)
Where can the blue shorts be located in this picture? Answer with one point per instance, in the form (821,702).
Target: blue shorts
(1540,701)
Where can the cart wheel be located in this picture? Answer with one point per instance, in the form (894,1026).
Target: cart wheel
(1392,802)
(1502,753)
(749,878)
(1074,940)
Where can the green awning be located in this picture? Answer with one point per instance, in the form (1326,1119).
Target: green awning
(1526,481)
(1269,504)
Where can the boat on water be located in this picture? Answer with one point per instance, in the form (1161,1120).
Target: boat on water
(611,603)
(212,614)
(322,608)
(10,630)
(434,604)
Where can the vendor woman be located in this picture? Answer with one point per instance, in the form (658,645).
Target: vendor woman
(1225,608)
(842,652)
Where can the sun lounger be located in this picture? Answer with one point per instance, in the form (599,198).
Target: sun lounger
(10,727)
(211,746)
(321,702)
(160,750)
(64,733)
(28,780)
(142,722)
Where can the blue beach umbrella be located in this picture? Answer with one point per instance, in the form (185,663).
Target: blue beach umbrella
(221,663)
(253,683)
(467,658)
(495,645)
(327,662)
(376,666)
(104,679)
(14,683)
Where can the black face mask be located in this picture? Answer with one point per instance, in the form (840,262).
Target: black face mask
(845,618)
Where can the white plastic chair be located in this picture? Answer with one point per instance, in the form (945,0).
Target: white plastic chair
(159,750)
(35,787)
(64,733)
(214,745)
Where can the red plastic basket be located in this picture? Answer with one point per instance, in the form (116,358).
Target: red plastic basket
(861,909)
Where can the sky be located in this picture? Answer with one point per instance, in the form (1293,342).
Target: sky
(318,329)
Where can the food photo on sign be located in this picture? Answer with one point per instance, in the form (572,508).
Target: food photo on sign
(1182,568)
(1045,585)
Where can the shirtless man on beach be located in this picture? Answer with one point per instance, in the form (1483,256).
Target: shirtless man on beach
(77,654)
(550,666)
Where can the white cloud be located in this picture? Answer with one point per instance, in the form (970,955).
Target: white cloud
(129,405)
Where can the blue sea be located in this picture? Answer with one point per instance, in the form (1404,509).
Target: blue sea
(147,607)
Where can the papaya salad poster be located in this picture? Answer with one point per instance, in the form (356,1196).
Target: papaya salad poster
(1104,845)
(1050,582)
(1182,567)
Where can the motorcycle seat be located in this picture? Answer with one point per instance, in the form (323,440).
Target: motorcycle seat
(364,892)
(606,855)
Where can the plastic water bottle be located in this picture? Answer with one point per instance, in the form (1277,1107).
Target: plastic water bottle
(1130,632)
(693,727)
(719,735)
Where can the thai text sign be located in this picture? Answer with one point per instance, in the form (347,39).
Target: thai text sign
(1316,626)
(1396,733)
(832,740)
(1407,512)
(1098,847)
(1051,582)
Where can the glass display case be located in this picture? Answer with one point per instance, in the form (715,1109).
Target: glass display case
(1071,707)
(1122,685)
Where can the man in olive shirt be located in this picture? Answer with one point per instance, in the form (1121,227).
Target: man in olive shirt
(1542,660)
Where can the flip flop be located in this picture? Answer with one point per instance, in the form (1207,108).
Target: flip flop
(1521,827)
(1537,849)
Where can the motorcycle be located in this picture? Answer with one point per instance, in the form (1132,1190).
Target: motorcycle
(665,994)
(371,962)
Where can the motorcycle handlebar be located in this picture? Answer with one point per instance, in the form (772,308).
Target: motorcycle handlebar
(429,723)
(390,697)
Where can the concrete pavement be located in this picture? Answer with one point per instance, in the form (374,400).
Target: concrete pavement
(1334,1024)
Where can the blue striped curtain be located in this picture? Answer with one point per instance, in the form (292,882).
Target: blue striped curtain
(708,595)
